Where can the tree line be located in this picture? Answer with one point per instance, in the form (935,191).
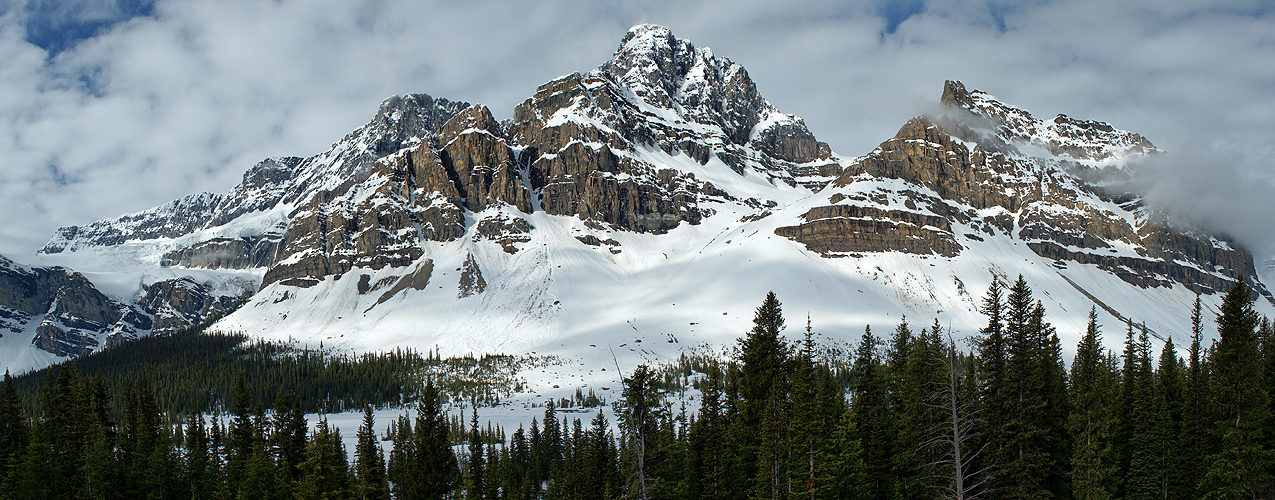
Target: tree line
(912,416)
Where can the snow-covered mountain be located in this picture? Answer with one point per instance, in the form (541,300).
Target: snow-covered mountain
(646,207)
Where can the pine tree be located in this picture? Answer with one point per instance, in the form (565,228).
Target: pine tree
(870,425)
(14,433)
(763,356)
(1195,422)
(475,474)
(1142,476)
(1089,423)
(993,383)
(369,467)
(423,465)
(1241,467)
(640,422)
(1026,467)
(325,472)
(198,476)
(1168,404)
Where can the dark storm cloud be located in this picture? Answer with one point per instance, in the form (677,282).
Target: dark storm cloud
(185,96)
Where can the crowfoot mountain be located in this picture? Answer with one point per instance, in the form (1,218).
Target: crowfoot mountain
(642,208)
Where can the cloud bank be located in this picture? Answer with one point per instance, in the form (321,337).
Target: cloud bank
(117,106)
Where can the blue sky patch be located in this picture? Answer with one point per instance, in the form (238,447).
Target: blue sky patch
(58,25)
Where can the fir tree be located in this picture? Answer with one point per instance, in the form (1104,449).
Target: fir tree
(1089,423)
(640,422)
(1142,477)
(14,433)
(870,426)
(325,472)
(1195,422)
(763,356)
(1241,466)
(475,474)
(370,480)
(1169,434)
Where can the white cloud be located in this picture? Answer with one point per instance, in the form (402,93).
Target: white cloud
(186,100)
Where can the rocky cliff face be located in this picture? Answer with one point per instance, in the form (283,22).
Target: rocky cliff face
(663,137)
(984,167)
(69,316)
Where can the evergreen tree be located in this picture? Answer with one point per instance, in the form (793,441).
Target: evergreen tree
(239,439)
(325,472)
(807,468)
(763,356)
(423,465)
(1240,468)
(371,483)
(198,475)
(1169,431)
(1089,423)
(993,382)
(1142,476)
(475,480)
(1195,421)
(708,440)
(905,388)
(1027,467)
(870,427)
(288,440)
(640,422)
(14,433)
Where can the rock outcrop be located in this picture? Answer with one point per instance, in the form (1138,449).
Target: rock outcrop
(972,159)
(69,316)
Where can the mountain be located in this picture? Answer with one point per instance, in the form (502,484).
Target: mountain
(648,205)
(50,313)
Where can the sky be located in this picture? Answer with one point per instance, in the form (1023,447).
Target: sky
(109,107)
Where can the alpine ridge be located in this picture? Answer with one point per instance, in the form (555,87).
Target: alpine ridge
(654,198)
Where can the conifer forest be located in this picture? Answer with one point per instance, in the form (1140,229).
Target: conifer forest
(909,414)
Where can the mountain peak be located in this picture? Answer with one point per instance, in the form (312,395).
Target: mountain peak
(954,94)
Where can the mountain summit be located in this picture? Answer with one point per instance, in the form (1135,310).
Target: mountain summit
(656,198)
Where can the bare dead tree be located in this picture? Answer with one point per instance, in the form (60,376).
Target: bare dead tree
(951,438)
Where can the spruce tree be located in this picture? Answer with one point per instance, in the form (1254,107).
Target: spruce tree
(1141,480)
(1169,429)
(370,481)
(1240,468)
(708,437)
(288,439)
(1195,421)
(325,473)
(763,359)
(870,426)
(197,472)
(639,419)
(993,383)
(1024,461)
(14,433)
(240,435)
(475,471)
(1089,422)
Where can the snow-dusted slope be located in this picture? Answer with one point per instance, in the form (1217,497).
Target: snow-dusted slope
(646,207)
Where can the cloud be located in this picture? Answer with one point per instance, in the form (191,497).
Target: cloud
(187,95)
